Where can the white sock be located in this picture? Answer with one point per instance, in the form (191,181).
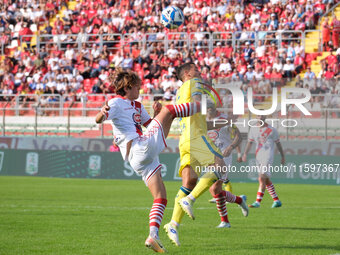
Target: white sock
(191,197)
(175,223)
(154,232)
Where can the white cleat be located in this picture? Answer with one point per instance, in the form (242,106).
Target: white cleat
(224,224)
(172,232)
(244,206)
(154,244)
(186,204)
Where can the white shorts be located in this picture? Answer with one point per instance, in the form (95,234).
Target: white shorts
(264,168)
(144,153)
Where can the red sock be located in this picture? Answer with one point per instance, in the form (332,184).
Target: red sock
(271,190)
(221,207)
(184,110)
(231,198)
(156,213)
(259,196)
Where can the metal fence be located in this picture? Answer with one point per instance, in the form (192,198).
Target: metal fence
(205,40)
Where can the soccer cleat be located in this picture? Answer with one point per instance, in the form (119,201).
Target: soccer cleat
(172,233)
(154,244)
(186,205)
(244,206)
(277,203)
(224,224)
(255,205)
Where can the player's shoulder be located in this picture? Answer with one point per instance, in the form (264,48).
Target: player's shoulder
(117,100)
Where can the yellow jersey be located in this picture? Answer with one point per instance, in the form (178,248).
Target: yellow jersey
(194,126)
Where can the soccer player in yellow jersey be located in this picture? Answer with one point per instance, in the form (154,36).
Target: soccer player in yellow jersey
(196,152)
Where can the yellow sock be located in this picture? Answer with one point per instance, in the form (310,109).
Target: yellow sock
(228,187)
(178,213)
(205,182)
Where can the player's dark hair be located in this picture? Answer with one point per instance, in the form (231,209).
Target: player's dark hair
(124,79)
(182,69)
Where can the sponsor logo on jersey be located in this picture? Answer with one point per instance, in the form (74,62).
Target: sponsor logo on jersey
(137,118)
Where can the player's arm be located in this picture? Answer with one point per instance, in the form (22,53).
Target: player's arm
(279,147)
(246,150)
(103,114)
(146,119)
(237,140)
(239,154)
(157,107)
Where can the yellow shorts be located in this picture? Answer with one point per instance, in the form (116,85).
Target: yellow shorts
(198,152)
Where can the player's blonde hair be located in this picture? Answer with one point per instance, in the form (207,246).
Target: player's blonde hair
(124,79)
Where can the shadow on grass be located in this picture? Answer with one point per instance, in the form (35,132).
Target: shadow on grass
(302,228)
(303,247)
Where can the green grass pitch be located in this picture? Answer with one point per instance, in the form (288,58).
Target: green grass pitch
(78,216)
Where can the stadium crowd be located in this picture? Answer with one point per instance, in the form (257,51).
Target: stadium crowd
(78,63)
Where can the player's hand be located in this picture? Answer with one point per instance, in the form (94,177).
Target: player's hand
(283,160)
(227,151)
(244,158)
(157,107)
(105,109)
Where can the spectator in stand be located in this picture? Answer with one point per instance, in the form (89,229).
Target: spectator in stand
(298,63)
(168,95)
(86,70)
(309,75)
(288,69)
(127,63)
(247,51)
(172,52)
(326,33)
(118,59)
(95,52)
(335,31)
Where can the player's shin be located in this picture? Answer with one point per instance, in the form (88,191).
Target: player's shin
(178,213)
(231,198)
(271,190)
(221,205)
(156,216)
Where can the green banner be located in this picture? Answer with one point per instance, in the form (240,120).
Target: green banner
(110,165)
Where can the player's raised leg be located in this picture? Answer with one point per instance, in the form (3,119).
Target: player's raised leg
(157,189)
